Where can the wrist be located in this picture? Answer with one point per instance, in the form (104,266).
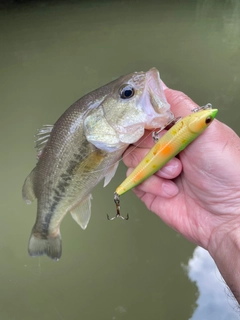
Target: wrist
(224,247)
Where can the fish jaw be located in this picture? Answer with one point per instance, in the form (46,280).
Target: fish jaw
(154,102)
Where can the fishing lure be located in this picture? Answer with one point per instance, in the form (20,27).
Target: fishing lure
(177,138)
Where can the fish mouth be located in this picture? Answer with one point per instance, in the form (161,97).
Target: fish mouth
(154,102)
(156,93)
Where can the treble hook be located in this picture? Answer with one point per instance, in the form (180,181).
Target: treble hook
(116,199)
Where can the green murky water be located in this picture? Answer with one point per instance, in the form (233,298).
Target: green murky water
(51,53)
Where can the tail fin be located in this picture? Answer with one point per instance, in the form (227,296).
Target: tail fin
(51,246)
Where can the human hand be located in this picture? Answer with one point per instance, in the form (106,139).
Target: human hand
(198,193)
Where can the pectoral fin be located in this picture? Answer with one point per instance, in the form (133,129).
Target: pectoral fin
(110,174)
(82,213)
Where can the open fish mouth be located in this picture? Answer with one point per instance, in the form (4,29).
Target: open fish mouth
(156,93)
(154,102)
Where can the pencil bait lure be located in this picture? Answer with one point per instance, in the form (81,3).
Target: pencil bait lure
(176,139)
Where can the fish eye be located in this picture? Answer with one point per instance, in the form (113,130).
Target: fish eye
(126,92)
(208,120)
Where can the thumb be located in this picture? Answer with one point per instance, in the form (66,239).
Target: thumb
(181,104)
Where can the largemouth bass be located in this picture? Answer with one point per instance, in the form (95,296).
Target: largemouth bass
(83,147)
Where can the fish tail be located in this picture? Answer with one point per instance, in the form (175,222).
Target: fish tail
(51,246)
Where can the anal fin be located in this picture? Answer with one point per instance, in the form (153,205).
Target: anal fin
(27,190)
(82,212)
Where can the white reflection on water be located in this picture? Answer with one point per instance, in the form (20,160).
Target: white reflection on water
(215,301)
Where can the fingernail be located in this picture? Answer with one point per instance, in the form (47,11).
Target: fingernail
(169,188)
(170,169)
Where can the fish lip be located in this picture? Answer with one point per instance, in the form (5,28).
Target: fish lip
(156,92)
(154,102)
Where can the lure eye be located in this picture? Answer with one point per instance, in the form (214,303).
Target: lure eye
(126,92)
(208,120)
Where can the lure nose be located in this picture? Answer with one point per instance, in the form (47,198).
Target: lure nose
(214,113)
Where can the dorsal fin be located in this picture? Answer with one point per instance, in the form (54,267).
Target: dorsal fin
(42,137)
